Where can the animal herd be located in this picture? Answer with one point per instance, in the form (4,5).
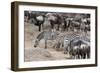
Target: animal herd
(76,48)
(59,21)
(81,51)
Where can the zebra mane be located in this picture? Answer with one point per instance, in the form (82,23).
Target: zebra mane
(72,37)
(40,36)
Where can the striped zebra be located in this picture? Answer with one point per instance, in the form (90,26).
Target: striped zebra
(63,40)
(46,35)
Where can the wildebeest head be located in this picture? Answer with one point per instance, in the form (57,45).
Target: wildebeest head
(51,16)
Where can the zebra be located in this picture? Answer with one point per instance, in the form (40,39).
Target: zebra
(46,35)
(63,39)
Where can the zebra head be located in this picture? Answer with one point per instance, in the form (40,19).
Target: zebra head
(36,43)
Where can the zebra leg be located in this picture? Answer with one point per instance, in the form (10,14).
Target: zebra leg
(88,55)
(45,44)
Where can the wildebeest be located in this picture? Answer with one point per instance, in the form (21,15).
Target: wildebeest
(79,50)
(67,23)
(77,24)
(35,18)
(85,24)
(56,20)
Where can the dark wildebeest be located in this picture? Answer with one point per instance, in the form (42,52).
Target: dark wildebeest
(80,50)
(77,46)
(55,20)
(67,23)
(72,23)
(36,19)
(85,24)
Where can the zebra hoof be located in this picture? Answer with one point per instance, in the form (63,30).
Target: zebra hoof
(65,52)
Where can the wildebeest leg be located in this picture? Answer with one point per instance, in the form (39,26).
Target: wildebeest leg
(68,25)
(79,53)
(40,27)
(65,25)
(52,24)
(88,53)
(79,56)
(45,44)
(84,56)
